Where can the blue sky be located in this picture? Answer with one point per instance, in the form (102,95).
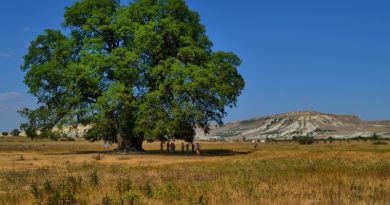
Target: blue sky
(331,56)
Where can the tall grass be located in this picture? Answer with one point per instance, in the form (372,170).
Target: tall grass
(273,174)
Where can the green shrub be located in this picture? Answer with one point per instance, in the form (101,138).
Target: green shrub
(173,191)
(124,185)
(55,136)
(94,178)
(31,133)
(379,143)
(148,189)
(4,133)
(131,197)
(375,137)
(304,139)
(15,132)
(35,190)
(65,195)
(74,182)
(107,200)
(48,186)
(65,137)
(201,200)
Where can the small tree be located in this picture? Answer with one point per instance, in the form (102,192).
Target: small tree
(305,140)
(4,133)
(375,137)
(15,132)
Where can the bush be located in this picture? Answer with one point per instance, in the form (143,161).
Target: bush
(304,139)
(107,200)
(379,143)
(35,190)
(131,197)
(50,135)
(65,137)
(48,186)
(15,132)
(4,133)
(63,195)
(375,137)
(331,139)
(94,178)
(74,183)
(201,200)
(124,185)
(173,191)
(31,133)
(148,189)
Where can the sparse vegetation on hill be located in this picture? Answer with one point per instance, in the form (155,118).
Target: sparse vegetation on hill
(288,125)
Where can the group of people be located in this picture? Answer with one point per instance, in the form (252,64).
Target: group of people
(171,147)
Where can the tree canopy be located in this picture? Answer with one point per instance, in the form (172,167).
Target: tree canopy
(15,132)
(145,71)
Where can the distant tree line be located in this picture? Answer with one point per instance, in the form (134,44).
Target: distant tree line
(14,132)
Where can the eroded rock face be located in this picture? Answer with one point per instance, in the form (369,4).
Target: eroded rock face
(288,125)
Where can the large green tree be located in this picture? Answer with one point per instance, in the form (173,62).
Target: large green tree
(145,71)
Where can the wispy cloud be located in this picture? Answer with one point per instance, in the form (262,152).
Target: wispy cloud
(26,29)
(5,55)
(8,96)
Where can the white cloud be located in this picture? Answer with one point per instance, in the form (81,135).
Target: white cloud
(5,55)
(8,96)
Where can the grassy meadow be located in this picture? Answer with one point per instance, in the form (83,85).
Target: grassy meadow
(47,172)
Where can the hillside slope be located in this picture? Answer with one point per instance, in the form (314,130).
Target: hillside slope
(288,125)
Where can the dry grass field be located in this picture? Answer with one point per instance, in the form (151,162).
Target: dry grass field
(47,172)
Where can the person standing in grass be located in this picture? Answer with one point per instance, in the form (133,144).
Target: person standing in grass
(198,149)
(173,147)
(168,144)
(106,145)
(182,147)
(187,147)
(192,147)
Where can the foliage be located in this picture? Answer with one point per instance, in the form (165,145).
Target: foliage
(131,197)
(148,189)
(331,139)
(94,178)
(4,133)
(15,132)
(35,190)
(379,143)
(107,200)
(304,139)
(143,71)
(62,195)
(375,137)
(124,185)
(201,200)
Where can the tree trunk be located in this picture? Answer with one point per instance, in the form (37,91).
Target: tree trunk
(130,144)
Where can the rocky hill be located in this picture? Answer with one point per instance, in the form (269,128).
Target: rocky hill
(288,125)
